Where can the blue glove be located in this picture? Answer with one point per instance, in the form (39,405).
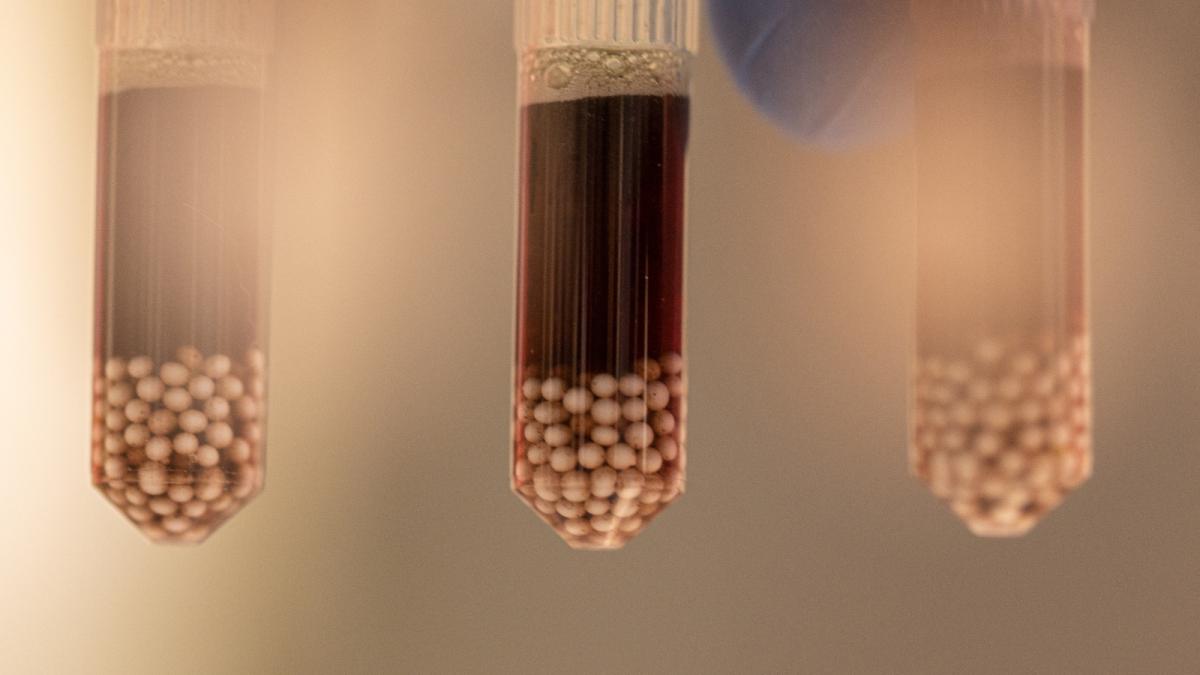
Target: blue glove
(835,73)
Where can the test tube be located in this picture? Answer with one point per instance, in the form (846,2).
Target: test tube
(181,262)
(600,382)
(1001,407)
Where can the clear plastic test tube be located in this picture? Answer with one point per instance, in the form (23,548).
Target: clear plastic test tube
(600,383)
(181,262)
(1001,419)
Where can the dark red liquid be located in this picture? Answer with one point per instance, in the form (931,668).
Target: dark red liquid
(600,274)
(179,239)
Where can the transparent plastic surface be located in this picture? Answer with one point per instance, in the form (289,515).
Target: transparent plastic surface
(1001,419)
(181,286)
(600,389)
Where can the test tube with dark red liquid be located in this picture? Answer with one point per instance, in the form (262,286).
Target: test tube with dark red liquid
(181,262)
(600,387)
(1001,419)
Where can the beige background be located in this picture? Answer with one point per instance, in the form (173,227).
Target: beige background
(387,540)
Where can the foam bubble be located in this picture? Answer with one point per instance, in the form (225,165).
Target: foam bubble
(148,68)
(568,73)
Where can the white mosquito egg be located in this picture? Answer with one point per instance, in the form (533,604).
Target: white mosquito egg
(219,435)
(135,496)
(531,389)
(553,389)
(545,413)
(676,386)
(634,409)
(544,507)
(176,524)
(115,443)
(217,366)
(557,435)
(247,409)
(631,385)
(604,523)
(158,449)
(562,459)
(577,400)
(239,451)
(139,514)
(639,435)
(604,385)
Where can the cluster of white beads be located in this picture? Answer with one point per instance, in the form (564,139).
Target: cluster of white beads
(1004,434)
(177,445)
(598,455)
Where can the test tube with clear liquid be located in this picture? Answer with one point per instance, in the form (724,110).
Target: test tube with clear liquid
(1001,403)
(179,404)
(599,393)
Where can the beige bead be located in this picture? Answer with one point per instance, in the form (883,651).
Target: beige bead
(562,459)
(137,411)
(139,514)
(604,482)
(657,396)
(114,368)
(606,412)
(195,508)
(256,359)
(647,509)
(545,507)
(634,409)
(152,478)
(217,408)
(577,527)
(522,470)
(648,369)
(201,387)
(533,432)
(161,422)
(630,525)
(239,451)
(185,443)
(115,420)
(624,508)
(577,400)
(219,435)
(192,421)
(221,503)
(174,374)
(163,506)
(548,412)
(596,506)
(604,522)
(190,357)
(651,461)
(605,436)
(114,468)
(576,486)
(676,386)
(667,448)
(557,435)
(230,387)
(207,455)
(591,456)
(217,366)
(176,524)
(1032,438)
(140,366)
(247,409)
(631,385)
(604,385)
(568,509)
(180,493)
(621,456)
(630,483)
(638,435)
(672,363)
(150,389)
(210,485)
(118,394)
(158,449)
(177,399)
(553,389)
(136,435)
(537,454)
(531,389)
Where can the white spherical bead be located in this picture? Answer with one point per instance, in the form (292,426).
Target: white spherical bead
(605,436)
(135,496)
(173,374)
(562,459)
(553,389)
(140,366)
(217,408)
(219,435)
(217,366)
(604,523)
(256,359)
(646,509)
(136,435)
(180,493)
(606,412)
(114,368)
(114,468)
(634,409)
(672,363)
(569,509)
(522,470)
(546,412)
(239,451)
(115,420)
(177,399)
(185,443)
(624,508)
(577,400)
(139,514)
(648,368)
(576,486)
(537,454)
(604,385)
(247,409)
(577,527)
(161,422)
(630,483)
(591,456)
(163,506)
(533,432)
(531,389)
(667,447)
(158,449)
(639,435)
(201,387)
(230,388)
(662,422)
(150,389)
(631,385)
(207,455)
(630,524)
(596,506)
(190,357)
(557,435)
(114,443)
(195,508)
(192,421)
(176,524)
(621,456)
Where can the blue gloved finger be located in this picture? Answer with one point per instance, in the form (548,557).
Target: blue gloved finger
(837,73)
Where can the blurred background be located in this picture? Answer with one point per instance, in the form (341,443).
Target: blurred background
(387,539)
